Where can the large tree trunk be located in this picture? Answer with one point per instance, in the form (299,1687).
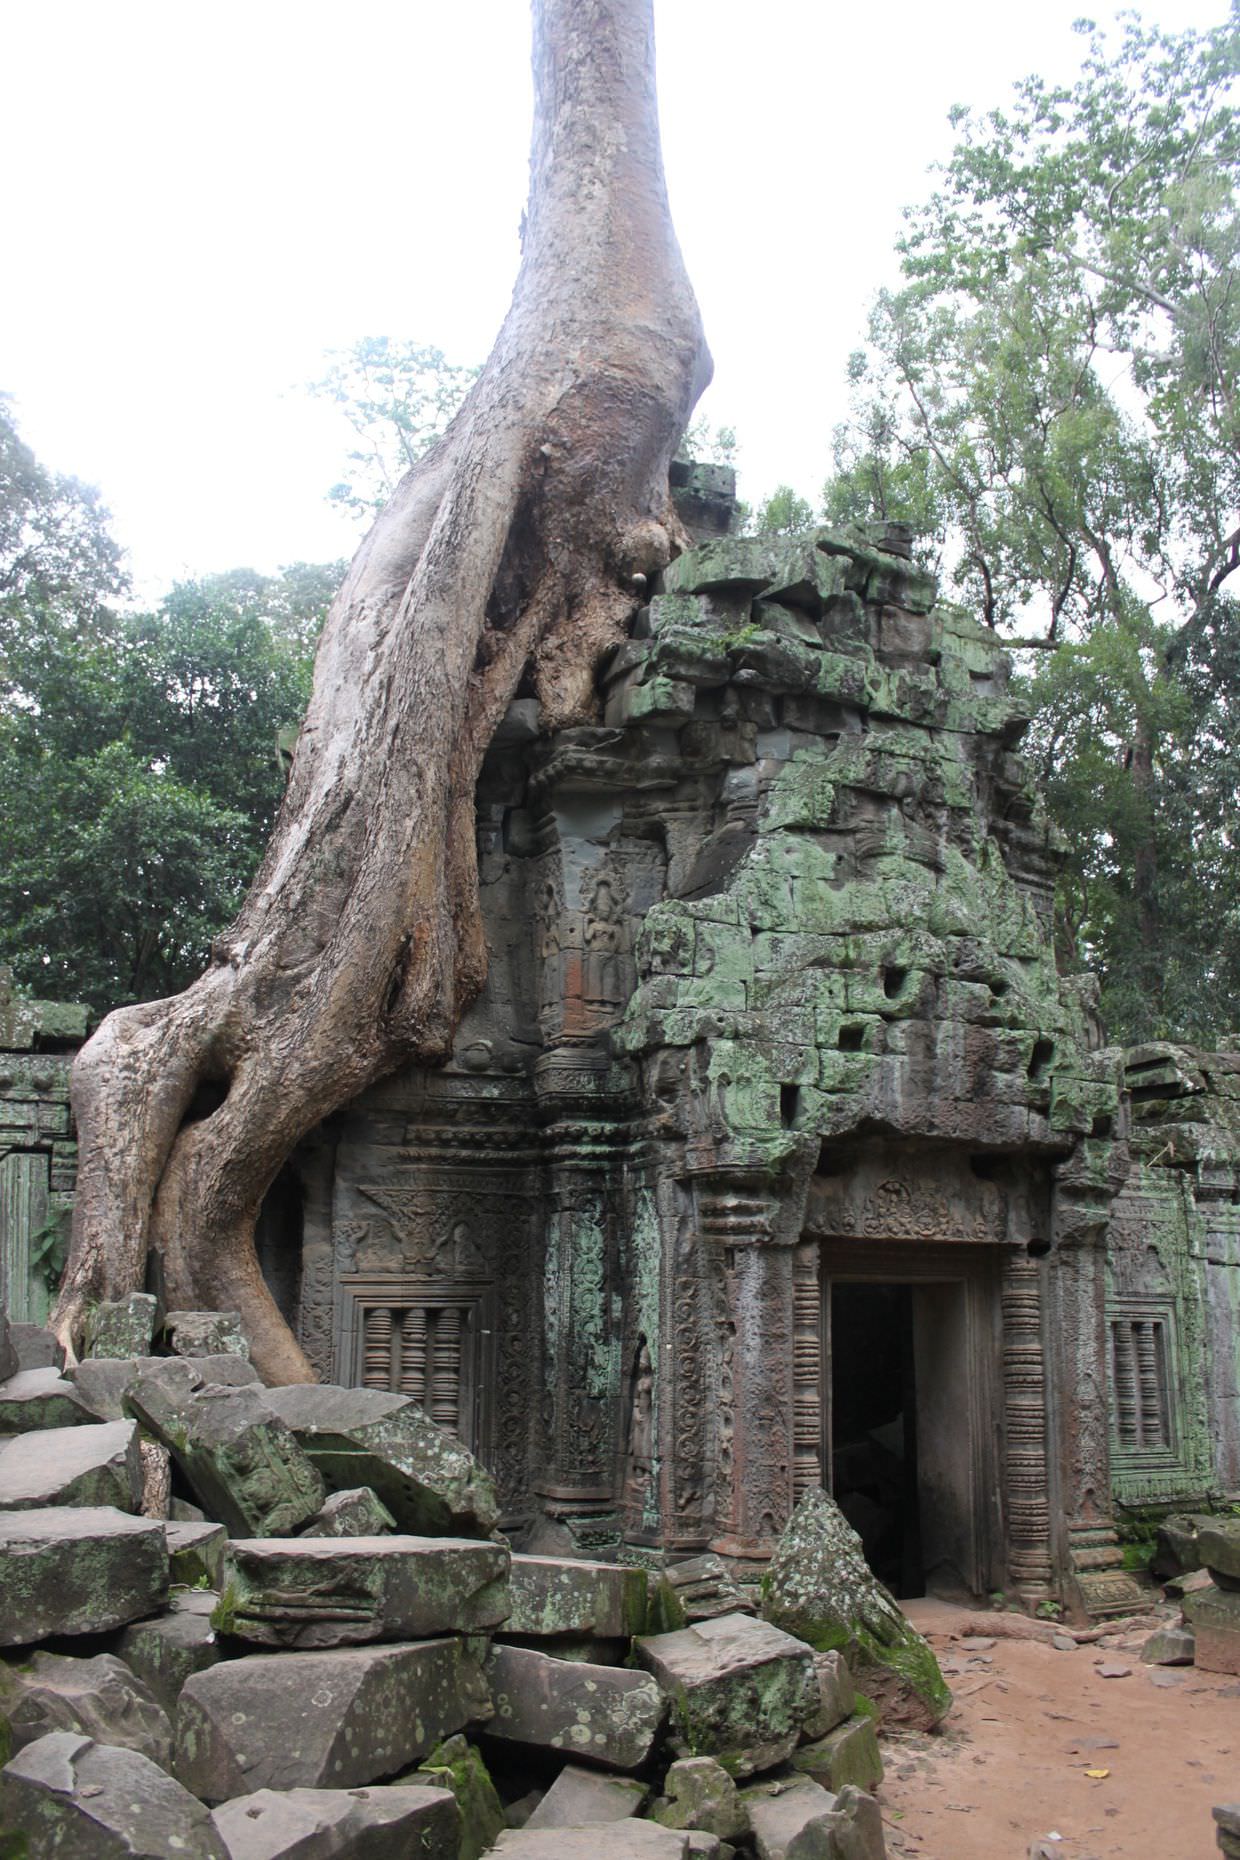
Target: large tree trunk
(522,540)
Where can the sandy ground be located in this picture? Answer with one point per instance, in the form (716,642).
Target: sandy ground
(1007,1777)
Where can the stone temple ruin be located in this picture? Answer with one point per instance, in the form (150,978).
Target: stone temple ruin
(777,1151)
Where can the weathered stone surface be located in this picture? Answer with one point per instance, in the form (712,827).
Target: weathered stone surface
(103,1382)
(820,1588)
(558,1595)
(849,1754)
(457,1765)
(622,1840)
(429,1482)
(1218,1544)
(322,1720)
(206,1333)
(782,1813)
(700,1795)
(98,1698)
(579,1798)
(121,1327)
(837,1696)
(238,1455)
(1214,1615)
(356,1513)
(603,1713)
(9,1364)
(77,1570)
(36,1347)
(703,1587)
(1170,1646)
(391,1823)
(741,1690)
(71,1797)
(1176,1551)
(40,1398)
(99,1465)
(196,1552)
(170,1648)
(1227,1829)
(343,1591)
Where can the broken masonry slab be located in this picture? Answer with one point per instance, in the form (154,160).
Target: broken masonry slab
(196,1552)
(77,1570)
(66,1794)
(580,1798)
(431,1484)
(170,1648)
(354,1513)
(622,1840)
(380,1823)
(206,1333)
(99,1698)
(322,1720)
(605,1714)
(558,1595)
(314,1592)
(97,1465)
(41,1398)
(741,1690)
(121,1327)
(700,1796)
(848,1754)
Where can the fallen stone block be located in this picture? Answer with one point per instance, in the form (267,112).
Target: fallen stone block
(77,1570)
(9,1364)
(41,1398)
(1176,1551)
(703,1587)
(66,1795)
(98,1465)
(390,1823)
(556,1595)
(121,1327)
(1170,1646)
(103,1382)
(458,1765)
(741,1690)
(801,1821)
(849,1754)
(1227,1829)
(322,1720)
(837,1696)
(580,1798)
(1218,1543)
(604,1713)
(623,1840)
(236,1453)
(344,1591)
(357,1513)
(196,1553)
(819,1587)
(98,1698)
(699,1796)
(206,1333)
(170,1648)
(431,1484)
(36,1347)
(1214,1616)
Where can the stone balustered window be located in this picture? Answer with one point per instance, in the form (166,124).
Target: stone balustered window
(426,1341)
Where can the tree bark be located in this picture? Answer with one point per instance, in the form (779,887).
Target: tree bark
(519,542)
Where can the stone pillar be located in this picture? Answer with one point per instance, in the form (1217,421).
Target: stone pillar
(1024,1402)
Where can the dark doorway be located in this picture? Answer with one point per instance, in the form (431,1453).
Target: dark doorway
(874,1427)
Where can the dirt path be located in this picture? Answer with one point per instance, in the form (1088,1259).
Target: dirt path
(1009,1769)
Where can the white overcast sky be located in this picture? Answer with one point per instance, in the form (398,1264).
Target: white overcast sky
(201,200)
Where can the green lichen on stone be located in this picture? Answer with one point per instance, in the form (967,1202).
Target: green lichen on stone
(457,1765)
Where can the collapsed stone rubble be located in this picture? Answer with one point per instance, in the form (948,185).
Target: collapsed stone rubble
(286,1670)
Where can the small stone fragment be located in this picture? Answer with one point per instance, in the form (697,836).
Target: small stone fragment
(837,1696)
(322,1720)
(196,1553)
(169,1649)
(579,1798)
(66,1795)
(98,1698)
(780,1814)
(40,1398)
(700,1795)
(206,1333)
(391,1823)
(431,1484)
(121,1327)
(849,1754)
(77,1570)
(604,1713)
(741,1690)
(820,1587)
(97,1465)
(457,1765)
(559,1595)
(312,1592)
(234,1450)
(356,1513)
(704,1587)
(1112,1669)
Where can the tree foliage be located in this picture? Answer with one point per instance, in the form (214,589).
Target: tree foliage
(139,763)
(1052,400)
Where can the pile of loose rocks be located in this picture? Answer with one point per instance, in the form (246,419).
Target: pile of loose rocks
(243,1623)
(1200,1557)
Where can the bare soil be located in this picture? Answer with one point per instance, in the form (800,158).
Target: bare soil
(1007,1776)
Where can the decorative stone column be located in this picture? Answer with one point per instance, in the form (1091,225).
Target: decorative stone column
(1024,1401)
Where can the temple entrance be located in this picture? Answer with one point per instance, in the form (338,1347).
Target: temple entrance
(904,1390)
